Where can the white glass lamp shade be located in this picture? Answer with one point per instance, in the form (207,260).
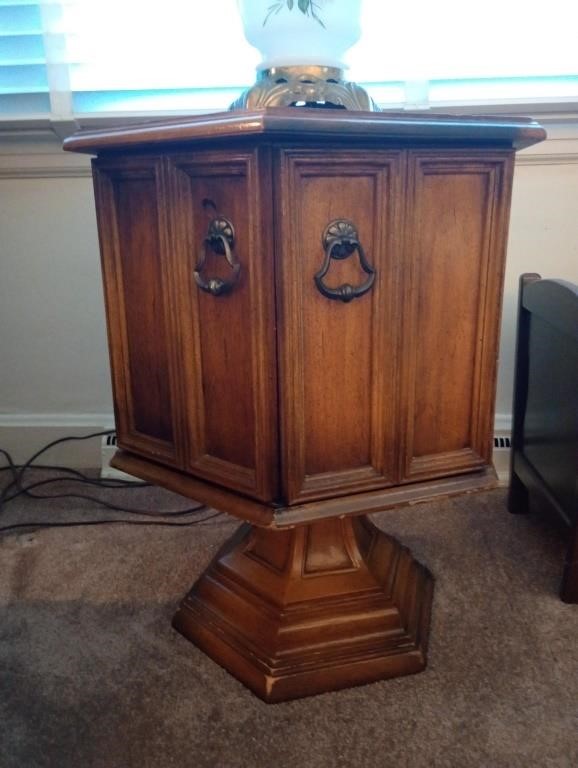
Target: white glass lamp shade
(301,32)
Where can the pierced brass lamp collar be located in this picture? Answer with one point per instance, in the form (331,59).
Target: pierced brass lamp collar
(305,86)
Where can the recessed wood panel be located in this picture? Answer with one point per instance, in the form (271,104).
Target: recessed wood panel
(338,359)
(336,355)
(136,207)
(452,264)
(456,247)
(228,350)
(132,233)
(224,329)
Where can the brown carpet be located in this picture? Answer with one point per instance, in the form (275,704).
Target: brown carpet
(92,675)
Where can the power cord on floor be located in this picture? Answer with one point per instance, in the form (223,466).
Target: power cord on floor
(16,488)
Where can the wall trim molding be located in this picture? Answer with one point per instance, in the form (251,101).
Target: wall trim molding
(105,420)
(547,158)
(38,159)
(503,423)
(46,172)
(24,172)
(56,420)
(22,434)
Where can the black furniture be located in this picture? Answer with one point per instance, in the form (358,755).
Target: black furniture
(545,434)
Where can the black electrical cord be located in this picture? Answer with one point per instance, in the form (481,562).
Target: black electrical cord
(50,480)
(59,468)
(79,523)
(16,488)
(77,476)
(108,505)
(17,476)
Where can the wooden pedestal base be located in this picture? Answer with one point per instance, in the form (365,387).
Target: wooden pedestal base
(319,607)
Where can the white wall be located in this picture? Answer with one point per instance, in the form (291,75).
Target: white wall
(543,235)
(54,376)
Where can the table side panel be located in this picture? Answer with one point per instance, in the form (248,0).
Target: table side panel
(338,360)
(227,342)
(456,229)
(131,213)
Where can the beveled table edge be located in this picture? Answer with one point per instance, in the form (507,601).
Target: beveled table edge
(275,122)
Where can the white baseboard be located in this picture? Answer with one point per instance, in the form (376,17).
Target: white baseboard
(104,420)
(501,461)
(23,434)
(501,456)
(502,423)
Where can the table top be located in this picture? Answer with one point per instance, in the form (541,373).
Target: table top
(316,124)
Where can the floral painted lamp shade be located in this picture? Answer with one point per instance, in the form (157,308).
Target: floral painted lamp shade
(301,32)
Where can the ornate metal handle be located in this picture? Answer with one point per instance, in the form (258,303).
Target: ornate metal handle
(221,238)
(340,240)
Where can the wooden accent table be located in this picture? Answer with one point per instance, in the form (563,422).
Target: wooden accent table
(303,310)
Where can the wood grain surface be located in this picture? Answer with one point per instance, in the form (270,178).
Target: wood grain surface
(298,403)
(291,125)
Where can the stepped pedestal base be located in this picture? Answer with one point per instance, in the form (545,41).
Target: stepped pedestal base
(319,607)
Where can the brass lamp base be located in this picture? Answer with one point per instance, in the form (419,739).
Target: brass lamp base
(300,86)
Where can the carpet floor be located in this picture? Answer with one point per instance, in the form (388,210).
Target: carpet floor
(93,676)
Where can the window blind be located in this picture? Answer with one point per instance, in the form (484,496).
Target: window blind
(175,55)
(451,51)
(95,57)
(23,75)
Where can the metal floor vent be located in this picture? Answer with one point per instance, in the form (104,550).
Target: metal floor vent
(502,442)
(108,449)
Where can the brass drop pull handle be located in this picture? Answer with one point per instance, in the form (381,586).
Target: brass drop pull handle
(221,239)
(340,240)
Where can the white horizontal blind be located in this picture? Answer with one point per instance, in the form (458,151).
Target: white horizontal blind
(450,39)
(456,51)
(23,76)
(179,55)
(175,54)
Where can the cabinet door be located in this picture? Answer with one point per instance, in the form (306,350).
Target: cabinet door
(228,362)
(456,228)
(131,208)
(338,359)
